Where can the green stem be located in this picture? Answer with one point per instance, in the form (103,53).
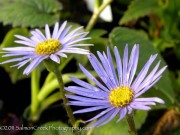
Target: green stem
(65,100)
(132,128)
(96,15)
(53,67)
(34,93)
(50,76)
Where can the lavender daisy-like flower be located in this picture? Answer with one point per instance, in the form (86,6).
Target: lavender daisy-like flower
(39,47)
(119,90)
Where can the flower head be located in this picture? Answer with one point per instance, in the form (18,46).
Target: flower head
(39,47)
(119,90)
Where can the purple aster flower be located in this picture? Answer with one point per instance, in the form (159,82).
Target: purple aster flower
(119,90)
(39,47)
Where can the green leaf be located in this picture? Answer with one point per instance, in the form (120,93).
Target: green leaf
(53,128)
(29,13)
(97,33)
(139,8)
(120,128)
(121,36)
(100,43)
(14,73)
(112,128)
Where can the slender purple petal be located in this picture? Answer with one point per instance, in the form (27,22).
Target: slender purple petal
(103,118)
(55,58)
(90,76)
(153,99)
(55,31)
(101,114)
(143,72)
(147,87)
(33,64)
(47,32)
(112,66)
(92,94)
(115,112)
(100,71)
(108,68)
(123,113)
(79,103)
(125,62)
(148,79)
(119,64)
(85,99)
(84,84)
(64,32)
(140,107)
(91,109)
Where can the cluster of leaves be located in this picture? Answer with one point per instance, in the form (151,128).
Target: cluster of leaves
(153,24)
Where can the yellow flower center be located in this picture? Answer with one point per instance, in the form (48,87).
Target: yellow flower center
(121,96)
(47,47)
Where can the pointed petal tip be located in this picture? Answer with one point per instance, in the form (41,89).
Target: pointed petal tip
(160,101)
(155,55)
(65,21)
(75,112)
(57,23)
(165,66)
(115,47)
(136,45)
(25,73)
(89,44)
(16,35)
